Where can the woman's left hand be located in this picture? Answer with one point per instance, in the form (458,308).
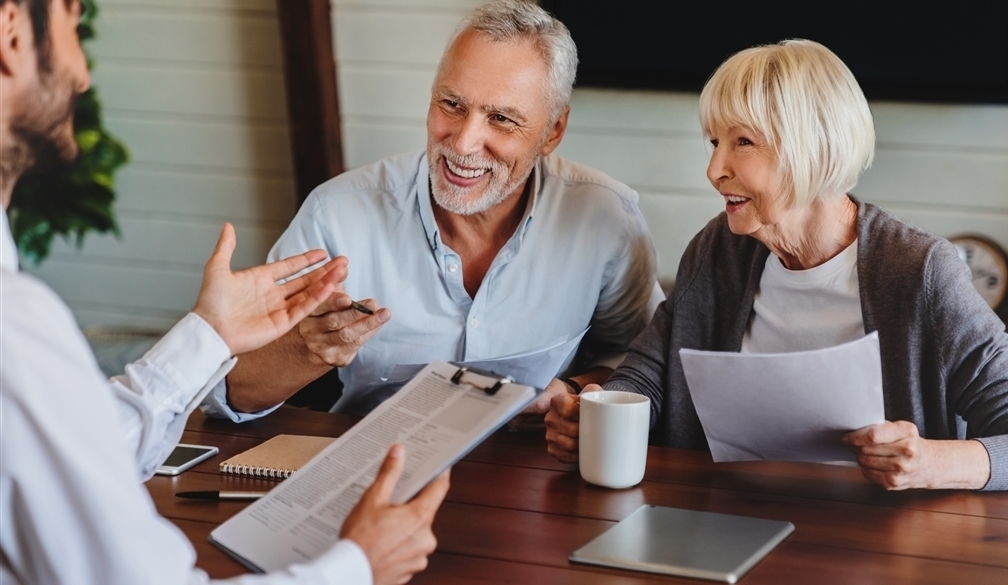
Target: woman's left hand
(894,455)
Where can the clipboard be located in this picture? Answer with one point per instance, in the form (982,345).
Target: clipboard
(490,389)
(438,417)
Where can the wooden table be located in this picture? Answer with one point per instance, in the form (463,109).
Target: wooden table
(514,514)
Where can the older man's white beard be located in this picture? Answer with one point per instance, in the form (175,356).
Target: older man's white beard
(459,200)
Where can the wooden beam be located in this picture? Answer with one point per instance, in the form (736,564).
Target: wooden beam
(310,83)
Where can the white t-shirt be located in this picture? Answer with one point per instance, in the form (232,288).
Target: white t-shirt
(801,310)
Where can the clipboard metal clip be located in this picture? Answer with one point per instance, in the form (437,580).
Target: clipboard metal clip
(490,390)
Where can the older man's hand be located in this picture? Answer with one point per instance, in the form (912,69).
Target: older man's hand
(894,455)
(562,425)
(532,417)
(335,330)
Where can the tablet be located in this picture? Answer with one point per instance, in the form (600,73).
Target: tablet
(686,543)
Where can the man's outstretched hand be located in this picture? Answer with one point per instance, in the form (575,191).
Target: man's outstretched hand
(248,309)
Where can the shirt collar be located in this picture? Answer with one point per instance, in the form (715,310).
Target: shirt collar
(426,207)
(427,210)
(537,182)
(8,251)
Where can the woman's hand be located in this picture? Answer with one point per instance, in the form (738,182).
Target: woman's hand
(894,455)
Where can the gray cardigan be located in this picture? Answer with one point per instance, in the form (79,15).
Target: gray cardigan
(944,352)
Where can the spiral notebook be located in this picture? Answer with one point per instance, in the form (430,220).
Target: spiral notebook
(277,458)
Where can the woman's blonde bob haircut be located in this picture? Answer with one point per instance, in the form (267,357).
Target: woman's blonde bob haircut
(805,102)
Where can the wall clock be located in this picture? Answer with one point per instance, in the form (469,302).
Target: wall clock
(989,264)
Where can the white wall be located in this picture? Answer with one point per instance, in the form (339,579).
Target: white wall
(195,89)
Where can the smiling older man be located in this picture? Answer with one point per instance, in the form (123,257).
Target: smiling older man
(484,245)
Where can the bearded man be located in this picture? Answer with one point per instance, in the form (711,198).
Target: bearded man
(484,245)
(74,447)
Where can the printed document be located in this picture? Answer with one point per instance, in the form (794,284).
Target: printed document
(786,406)
(436,419)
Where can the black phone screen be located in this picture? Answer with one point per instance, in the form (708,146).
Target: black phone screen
(182,454)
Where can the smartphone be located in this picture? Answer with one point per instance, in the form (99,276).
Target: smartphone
(185,456)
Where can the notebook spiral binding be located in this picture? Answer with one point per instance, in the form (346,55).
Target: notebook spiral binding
(254,471)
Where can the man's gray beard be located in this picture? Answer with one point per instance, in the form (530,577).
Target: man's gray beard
(453,199)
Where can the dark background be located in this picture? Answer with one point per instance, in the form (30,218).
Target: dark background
(954,52)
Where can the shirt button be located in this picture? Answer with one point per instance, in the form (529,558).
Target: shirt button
(453,268)
(474,322)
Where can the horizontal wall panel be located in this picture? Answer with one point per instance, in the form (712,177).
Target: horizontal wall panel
(965,180)
(133,288)
(942,125)
(931,125)
(365,144)
(953,222)
(88,316)
(228,92)
(236,198)
(669,163)
(247,147)
(421,4)
(392,37)
(375,92)
(644,111)
(267,6)
(160,242)
(673,221)
(180,36)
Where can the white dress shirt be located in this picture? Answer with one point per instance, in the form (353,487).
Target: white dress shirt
(75,447)
(582,255)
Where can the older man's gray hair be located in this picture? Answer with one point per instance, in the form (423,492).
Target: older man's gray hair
(509,20)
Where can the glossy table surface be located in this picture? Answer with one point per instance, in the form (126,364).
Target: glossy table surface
(514,514)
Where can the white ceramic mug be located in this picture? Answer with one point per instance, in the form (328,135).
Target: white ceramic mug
(613,437)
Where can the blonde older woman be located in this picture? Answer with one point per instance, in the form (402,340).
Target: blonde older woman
(796,263)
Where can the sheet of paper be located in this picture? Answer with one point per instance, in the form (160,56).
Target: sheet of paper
(435,419)
(786,406)
(535,367)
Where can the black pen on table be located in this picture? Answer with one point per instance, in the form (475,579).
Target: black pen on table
(220,495)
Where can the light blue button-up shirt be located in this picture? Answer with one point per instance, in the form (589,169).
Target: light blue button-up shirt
(582,255)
